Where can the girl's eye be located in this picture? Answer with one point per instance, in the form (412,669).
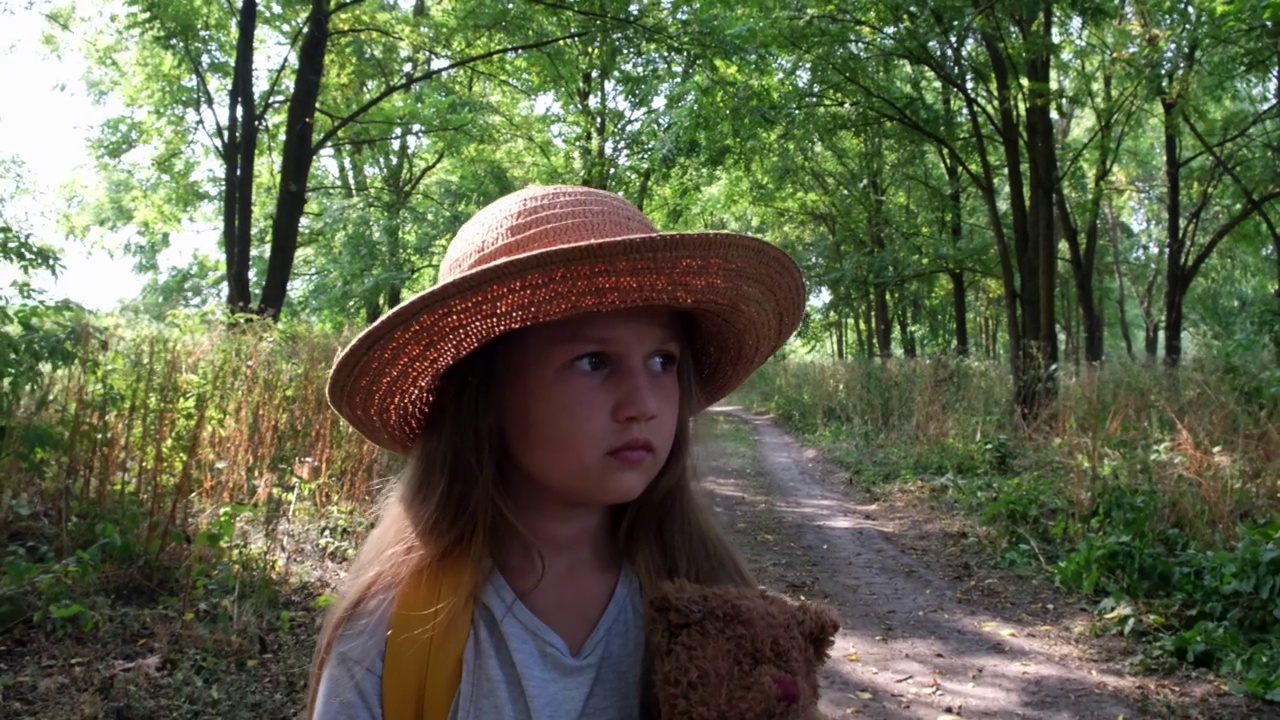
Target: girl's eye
(663,362)
(591,362)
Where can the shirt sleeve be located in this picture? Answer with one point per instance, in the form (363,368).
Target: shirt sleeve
(351,683)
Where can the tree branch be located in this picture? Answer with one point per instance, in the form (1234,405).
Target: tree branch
(422,77)
(374,30)
(1222,232)
(221,139)
(275,78)
(1235,177)
(602,16)
(1257,119)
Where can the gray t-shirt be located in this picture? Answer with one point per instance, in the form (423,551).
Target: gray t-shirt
(514,666)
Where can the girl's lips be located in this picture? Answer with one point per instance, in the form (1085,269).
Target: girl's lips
(631,457)
(636,444)
(633,452)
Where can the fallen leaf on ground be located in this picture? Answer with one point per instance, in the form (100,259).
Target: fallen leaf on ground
(150,666)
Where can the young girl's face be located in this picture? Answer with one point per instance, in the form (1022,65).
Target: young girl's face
(590,406)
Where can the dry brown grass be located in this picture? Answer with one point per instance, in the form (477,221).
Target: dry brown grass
(1210,449)
(182,424)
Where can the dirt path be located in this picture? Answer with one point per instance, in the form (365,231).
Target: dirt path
(909,648)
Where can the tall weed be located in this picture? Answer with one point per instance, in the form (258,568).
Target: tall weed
(182,457)
(1157,492)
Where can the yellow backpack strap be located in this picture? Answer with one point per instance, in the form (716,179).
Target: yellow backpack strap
(430,623)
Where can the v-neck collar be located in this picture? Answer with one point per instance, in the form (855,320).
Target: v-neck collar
(501,598)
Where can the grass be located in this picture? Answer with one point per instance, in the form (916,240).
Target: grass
(1156,494)
(175,506)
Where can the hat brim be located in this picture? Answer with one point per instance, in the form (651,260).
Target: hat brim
(746,295)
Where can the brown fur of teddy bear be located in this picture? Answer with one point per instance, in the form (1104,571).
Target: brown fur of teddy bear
(726,653)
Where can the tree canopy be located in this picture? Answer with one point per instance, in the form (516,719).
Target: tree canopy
(1029,181)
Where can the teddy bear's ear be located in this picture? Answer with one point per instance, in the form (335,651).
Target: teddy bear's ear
(819,622)
(678,607)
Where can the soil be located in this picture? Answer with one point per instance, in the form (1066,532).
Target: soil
(930,630)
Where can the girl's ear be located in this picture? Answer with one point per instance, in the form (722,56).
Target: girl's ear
(819,622)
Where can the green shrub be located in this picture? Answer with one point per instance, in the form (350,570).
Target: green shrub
(1157,494)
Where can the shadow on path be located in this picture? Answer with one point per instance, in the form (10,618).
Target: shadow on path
(908,648)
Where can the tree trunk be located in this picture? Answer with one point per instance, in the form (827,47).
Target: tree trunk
(876,231)
(916,311)
(958,300)
(1008,282)
(1174,243)
(237,196)
(1275,241)
(248,149)
(857,333)
(1083,266)
(1042,167)
(1150,321)
(951,163)
(840,337)
(296,156)
(1275,305)
(1113,235)
(1034,340)
(1070,329)
(869,322)
(883,322)
(230,169)
(1151,342)
(905,330)
(1083,257)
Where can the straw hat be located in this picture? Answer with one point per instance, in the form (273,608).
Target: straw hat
(548,252)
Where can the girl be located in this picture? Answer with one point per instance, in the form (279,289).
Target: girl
(543,392)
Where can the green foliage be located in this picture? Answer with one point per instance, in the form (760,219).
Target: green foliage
(1155,495)
(182,489)
(37,335)
(1214,609)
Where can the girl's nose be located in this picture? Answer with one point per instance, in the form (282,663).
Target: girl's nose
(637,396)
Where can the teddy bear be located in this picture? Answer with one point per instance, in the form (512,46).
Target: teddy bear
(734,653)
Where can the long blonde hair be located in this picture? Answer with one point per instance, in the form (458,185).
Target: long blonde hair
(449,503)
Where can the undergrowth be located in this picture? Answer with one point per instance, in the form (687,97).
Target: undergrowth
(175,505)
(1156,494)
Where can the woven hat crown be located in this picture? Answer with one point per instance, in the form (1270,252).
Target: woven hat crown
(540,218)
(550,252)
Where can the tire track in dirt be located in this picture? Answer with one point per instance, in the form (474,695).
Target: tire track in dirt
(908,648)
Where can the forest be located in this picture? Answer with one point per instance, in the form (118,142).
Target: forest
(1041,240)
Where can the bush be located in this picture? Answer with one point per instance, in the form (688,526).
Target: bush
(1158,494)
